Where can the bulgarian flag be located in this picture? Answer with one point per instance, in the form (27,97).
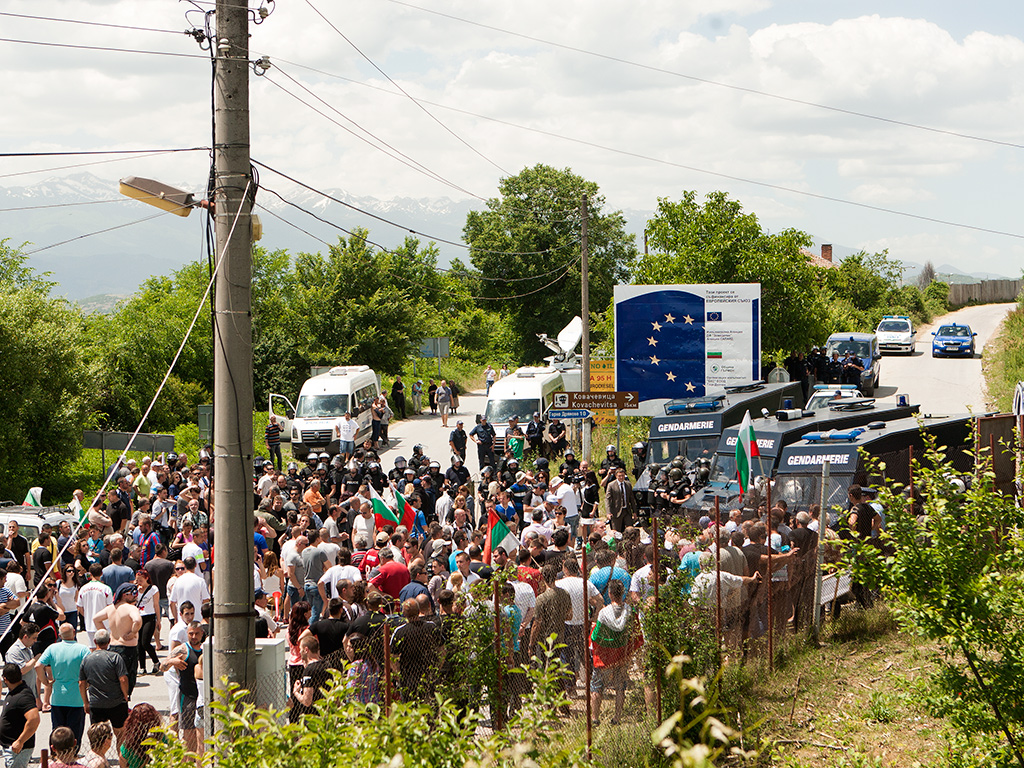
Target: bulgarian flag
(616,636)
(498,537)
(746,450)
(381,511)
(34,497)
(405,510)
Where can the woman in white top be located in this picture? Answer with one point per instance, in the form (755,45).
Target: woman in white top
(67,595)
(148,604)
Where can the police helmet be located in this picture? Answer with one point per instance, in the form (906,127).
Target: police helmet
(172,458)
(410,471)
(609,449)
(292,465)
(456,459)
(486,471)
(374,466)
(400,462)
(321,467)
(417,449)
(540,463)
(325,456)
(312,457)
(513,463)
(675,474)
(434,465)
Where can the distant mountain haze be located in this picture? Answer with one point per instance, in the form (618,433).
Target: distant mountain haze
(99,269)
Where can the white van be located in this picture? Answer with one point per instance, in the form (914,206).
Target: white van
(522,393)
(309,424)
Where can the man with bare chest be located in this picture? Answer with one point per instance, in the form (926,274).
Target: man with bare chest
(124,620)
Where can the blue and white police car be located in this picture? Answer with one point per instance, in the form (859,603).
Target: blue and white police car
(953,339)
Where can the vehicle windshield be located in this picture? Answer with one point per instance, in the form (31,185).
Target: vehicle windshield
(321,406)
(860,347)
(894,326)
(801,491)
(500,411)
(693,448)
(723,469)
(823,399)
(958,331)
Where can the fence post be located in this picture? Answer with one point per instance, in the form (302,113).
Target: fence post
(586,651)
(718,578)
(387,668)
(826,467)
(656,576)
(44,758)
(498,715)
(771,617)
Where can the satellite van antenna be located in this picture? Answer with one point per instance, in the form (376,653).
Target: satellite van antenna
(564,345)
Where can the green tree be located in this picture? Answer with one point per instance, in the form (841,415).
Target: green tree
(952,565)
(137,342)
(532,230)
(717,242)
(354,306)
(45,377)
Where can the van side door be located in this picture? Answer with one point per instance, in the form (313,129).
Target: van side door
(285,411)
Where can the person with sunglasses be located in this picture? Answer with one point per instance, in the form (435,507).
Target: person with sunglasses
(67,594)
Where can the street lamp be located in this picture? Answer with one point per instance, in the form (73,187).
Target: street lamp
(160,195)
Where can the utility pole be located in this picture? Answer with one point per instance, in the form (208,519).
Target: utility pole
(585,312)
(233,613)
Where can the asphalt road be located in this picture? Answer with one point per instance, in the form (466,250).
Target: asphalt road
(943,385)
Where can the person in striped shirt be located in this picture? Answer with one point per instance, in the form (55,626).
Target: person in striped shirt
(272,435)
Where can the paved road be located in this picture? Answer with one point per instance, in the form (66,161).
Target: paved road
(427,430)
(943,385)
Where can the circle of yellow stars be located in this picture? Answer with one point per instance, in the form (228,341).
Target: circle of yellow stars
(653,342)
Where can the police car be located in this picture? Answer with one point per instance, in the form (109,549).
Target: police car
(825,395)
(953,339)
(896,333)
(865,347)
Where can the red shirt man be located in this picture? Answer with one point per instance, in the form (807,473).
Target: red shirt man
(392,576)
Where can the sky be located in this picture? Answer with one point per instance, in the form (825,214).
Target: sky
(798,109)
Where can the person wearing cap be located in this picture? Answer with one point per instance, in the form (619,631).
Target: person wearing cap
(457,439)
(483,435)
(264,612)
(125,622)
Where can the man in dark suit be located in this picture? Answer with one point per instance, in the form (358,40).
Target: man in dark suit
(620,502)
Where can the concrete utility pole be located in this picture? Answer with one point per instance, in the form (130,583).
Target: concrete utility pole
(235,631)
(585,313)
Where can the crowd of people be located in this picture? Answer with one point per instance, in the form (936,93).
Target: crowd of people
(347,586)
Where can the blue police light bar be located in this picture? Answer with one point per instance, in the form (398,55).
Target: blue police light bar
(818,387)
(833,436)
(694,404)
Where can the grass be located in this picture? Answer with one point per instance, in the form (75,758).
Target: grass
(857,701)
(1003,360)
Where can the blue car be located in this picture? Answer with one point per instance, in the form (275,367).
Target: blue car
(953,339)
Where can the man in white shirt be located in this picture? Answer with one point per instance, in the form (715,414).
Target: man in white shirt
(263,612)
(190,587)
(345,430)
(468,577)
(93,597)
(328,584)
(197,553)
(328,547)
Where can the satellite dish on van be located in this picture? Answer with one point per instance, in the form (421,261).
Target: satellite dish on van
(564,345)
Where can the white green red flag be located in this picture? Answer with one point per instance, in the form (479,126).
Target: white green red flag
(384,514)
(34,497)
(498,537)
(746,450)
(405,510)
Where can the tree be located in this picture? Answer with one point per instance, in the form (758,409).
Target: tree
(927,276)
(952,565)
(45,377)
(718,243)
(526,248)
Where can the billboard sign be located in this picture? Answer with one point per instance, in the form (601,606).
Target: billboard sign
(676,341)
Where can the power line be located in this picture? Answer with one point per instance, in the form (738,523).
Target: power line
(563,271)
(407,94)
(413,164)
(100,232)
(387,221)
(92,23)
(63,205)
(682,166)
(717,83)
(103,48)
(83,165)
(76,153)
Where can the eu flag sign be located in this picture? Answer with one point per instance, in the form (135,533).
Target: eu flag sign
(676,341)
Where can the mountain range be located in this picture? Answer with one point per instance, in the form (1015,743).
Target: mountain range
(99,246)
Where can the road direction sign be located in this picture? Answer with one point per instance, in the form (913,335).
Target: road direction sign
(571,414)
(620,401)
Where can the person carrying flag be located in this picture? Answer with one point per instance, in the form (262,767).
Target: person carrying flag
(615,638)
(746,450)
